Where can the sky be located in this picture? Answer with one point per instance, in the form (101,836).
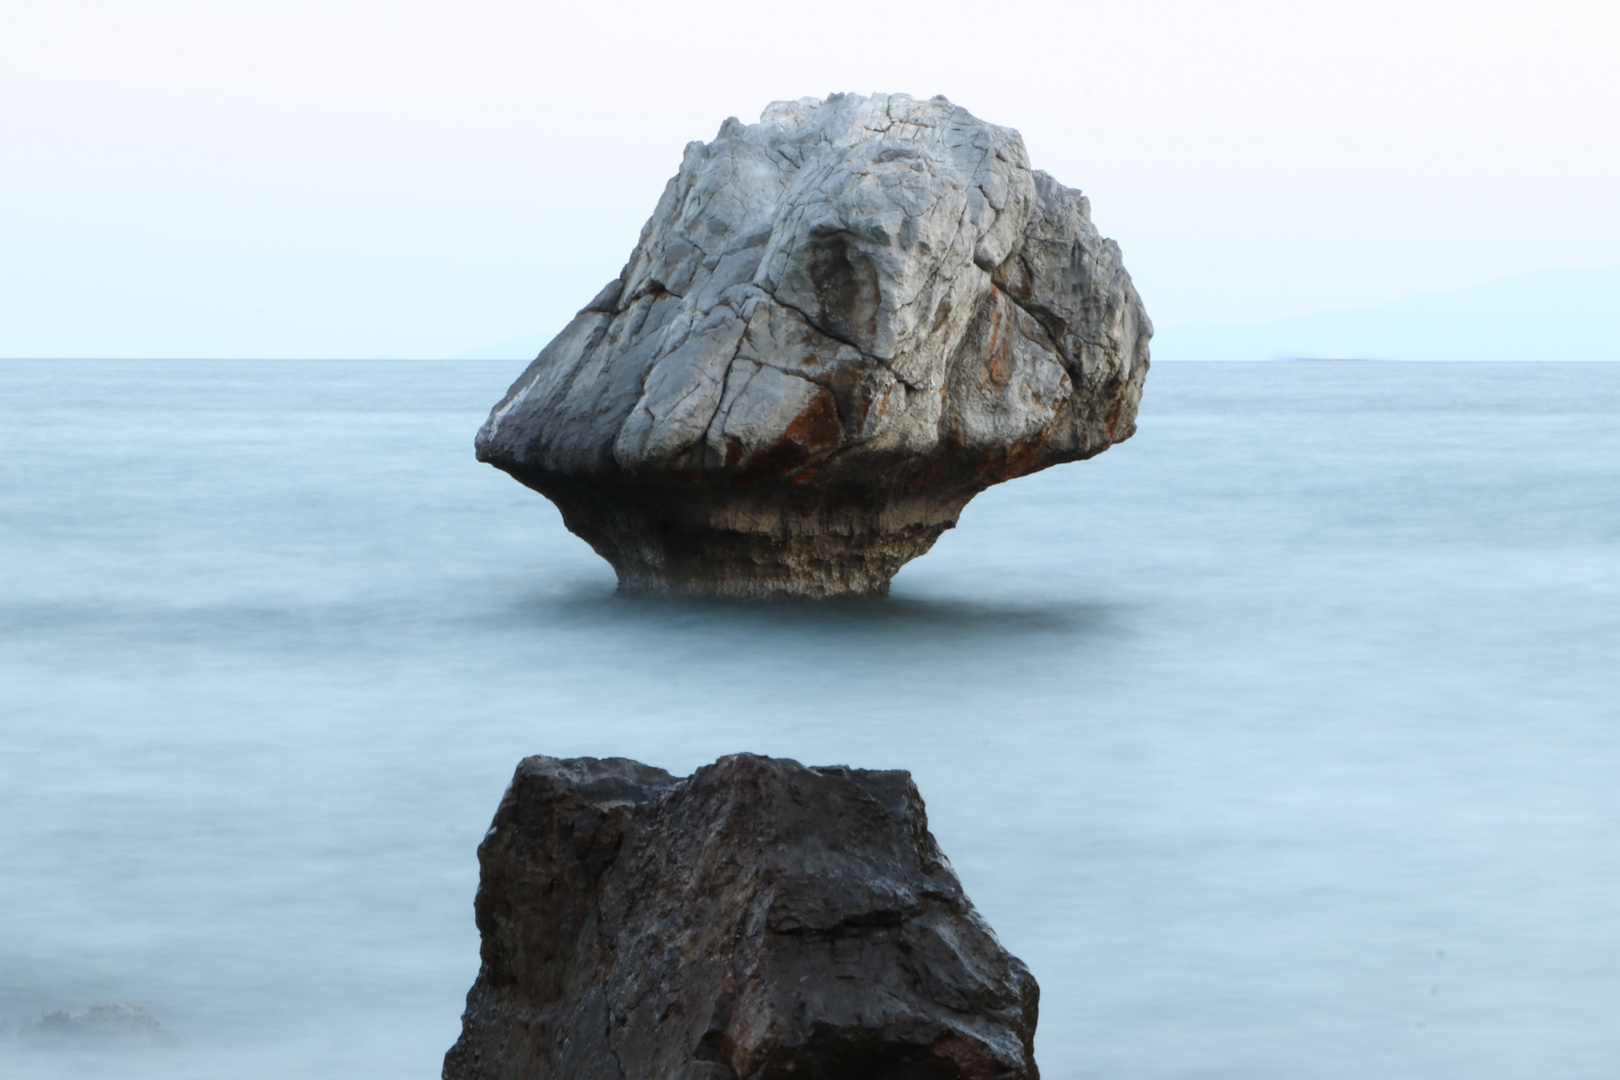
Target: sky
(358,179)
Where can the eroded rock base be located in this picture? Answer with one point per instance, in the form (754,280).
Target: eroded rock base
(769,544)
(751,566)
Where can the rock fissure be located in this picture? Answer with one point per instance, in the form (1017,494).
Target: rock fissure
(702,441)
(883,362)
(1045,319)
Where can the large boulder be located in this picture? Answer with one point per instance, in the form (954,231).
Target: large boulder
(840,324)
(759,920)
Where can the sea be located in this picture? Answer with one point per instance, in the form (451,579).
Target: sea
(1282,741)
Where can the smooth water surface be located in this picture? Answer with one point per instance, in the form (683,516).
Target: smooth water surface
(1281,741)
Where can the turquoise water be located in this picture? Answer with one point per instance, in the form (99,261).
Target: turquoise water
(1282,741)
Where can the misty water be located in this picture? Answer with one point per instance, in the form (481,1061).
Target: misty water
(1282,741)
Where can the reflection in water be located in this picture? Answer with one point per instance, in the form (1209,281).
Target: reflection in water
(929,618)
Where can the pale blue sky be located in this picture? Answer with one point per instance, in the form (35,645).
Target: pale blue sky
(420,179)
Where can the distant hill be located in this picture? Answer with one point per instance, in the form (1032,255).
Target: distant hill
(1546,315)
(518,348)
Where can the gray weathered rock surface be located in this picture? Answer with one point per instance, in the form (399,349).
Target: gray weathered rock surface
(840,325)
(759,920)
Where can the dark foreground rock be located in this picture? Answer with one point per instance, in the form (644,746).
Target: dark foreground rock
(759,920)
(840,325)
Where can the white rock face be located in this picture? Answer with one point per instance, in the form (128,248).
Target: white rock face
(840,324)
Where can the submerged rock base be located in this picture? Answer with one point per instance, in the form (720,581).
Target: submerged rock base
(765,544)
(759,920)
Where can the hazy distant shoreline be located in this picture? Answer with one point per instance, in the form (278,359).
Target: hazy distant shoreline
(1547,315)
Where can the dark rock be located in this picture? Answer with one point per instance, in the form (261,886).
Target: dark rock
(840,325)
(759,920)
